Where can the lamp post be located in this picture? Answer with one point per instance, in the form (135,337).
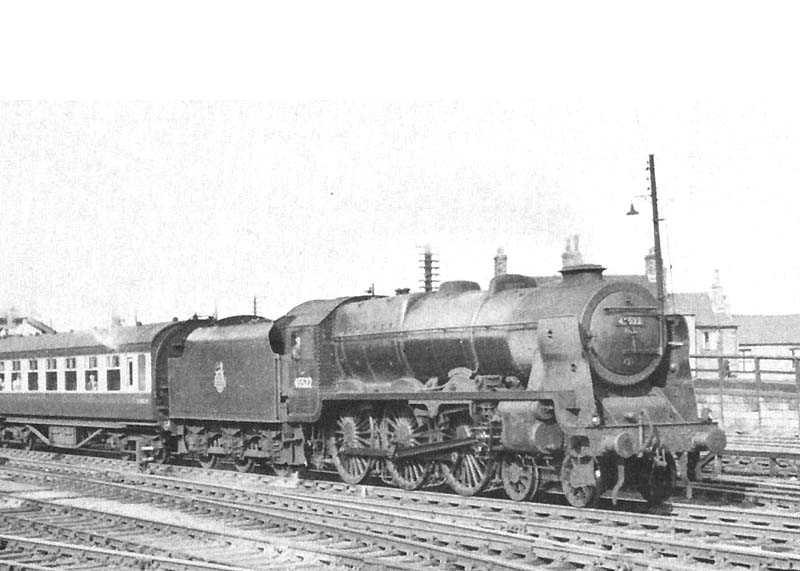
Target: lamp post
(656,235)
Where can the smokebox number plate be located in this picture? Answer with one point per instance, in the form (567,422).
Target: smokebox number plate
(630,321)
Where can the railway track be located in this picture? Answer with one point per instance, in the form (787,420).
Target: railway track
(381,540)
(762,456)
(751,492)
(472,533)
(114,538)
(386,544)
(23,553)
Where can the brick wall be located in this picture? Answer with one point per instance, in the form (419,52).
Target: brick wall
(773,413)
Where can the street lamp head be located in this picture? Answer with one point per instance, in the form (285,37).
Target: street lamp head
(632,211)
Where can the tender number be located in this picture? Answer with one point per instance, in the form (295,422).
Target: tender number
(303,382)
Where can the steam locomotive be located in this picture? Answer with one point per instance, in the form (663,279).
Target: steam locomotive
(580,380)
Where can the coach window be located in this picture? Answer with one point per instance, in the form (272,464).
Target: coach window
(2,375)
(33,375)
(16,375)
(71,375)
(51,376)
(112,373)
(90,374)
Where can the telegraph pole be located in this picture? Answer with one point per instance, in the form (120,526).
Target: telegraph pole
(657,237)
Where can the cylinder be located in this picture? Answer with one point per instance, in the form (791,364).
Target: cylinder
(523,432)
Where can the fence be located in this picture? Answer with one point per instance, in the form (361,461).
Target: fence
(761,379)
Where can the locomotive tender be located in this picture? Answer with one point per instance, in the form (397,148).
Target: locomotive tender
(580,380)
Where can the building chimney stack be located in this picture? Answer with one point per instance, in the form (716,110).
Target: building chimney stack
(719,301)
(572,253)
(500,263)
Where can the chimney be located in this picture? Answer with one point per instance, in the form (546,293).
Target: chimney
(500,263)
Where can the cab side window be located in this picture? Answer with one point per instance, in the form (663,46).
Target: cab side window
(296,346)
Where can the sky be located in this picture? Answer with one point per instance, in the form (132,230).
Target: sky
(153,167)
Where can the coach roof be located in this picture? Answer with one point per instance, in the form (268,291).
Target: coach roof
(113,340)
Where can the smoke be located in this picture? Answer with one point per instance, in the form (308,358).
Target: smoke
(107,337)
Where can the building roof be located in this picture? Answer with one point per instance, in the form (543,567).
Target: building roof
(699,305)
(34,323)
(768,329)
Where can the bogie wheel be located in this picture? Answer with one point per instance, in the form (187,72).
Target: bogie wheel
(580,479)
(282,470)
(352,431)
(246,463)
(470,469)
(403,431)
(30,441)
(520,476)
(657,477)
(208,461)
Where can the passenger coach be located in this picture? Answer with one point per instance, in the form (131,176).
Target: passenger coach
(100,388)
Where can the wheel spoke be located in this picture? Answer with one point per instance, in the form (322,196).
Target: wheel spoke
(472,468)
(352,432)
(402,430)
